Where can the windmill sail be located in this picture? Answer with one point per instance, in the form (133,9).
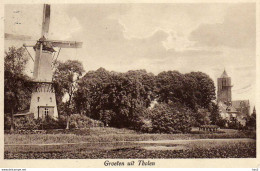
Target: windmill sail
(43,101)
(46,20)
(65,44)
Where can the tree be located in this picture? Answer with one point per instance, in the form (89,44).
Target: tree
(92,93)
(115,98)
(215,115)
(170,86)
(16,86)
(66,78)
(202,117)
(171,118)
(148,82)
(251,120)
(205,89)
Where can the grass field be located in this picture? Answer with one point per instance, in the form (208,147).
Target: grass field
(113,134)
(123,143)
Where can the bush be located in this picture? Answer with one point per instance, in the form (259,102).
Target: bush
(29,123)
(202,117)
(222,123)
(26,123)
(171,118)
(7,122)
(82,121)
(51,123)
(234,124)
(62,122)
(251,121)
(106,116)
(147,126)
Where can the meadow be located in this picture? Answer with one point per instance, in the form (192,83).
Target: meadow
(124,143)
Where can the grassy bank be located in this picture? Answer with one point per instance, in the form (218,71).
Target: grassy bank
(112,135)
(238,149)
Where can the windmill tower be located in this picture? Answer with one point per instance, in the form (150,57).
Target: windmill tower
(43,100)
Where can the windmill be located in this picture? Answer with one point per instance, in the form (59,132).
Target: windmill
(43,100)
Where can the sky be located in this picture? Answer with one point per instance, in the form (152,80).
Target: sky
(207,37)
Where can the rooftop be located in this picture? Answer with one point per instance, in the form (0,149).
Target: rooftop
(224,74)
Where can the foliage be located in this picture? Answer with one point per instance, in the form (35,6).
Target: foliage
(66,77)
(205,89)
(29,123)
(16,86)
(120,99)
(115,98)
(82,121)
(147,126)
(170,86)
(26,123)
(171,118)
(251,121)
(233,123)
(202,117)
(195,89)
(88,98)
(222,123)
(215,117)
(51,123)
(106,116)
(7,122)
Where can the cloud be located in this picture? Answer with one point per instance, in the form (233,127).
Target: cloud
(104,35)
(142,20)
(62,26)
(156,37)
(23,19)
(238,30)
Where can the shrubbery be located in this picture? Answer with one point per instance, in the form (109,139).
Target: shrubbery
(171,118)
(26,123)
(82,121)
(147,126)
(202,117)
(7,122)
(235,124)
(29,123)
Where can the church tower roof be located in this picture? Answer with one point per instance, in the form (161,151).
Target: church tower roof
(224,74)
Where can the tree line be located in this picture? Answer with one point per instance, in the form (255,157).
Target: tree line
(168,102)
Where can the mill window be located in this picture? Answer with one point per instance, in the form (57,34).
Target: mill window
(50,99)
(38,99)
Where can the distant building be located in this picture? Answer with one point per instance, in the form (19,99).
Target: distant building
(254,111)
(224,89)
(229,109)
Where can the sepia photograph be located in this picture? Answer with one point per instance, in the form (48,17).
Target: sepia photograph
(130,81)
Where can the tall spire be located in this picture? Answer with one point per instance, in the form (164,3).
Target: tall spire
(254,111)
(224,74)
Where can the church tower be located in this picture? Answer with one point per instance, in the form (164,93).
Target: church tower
(224,89)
